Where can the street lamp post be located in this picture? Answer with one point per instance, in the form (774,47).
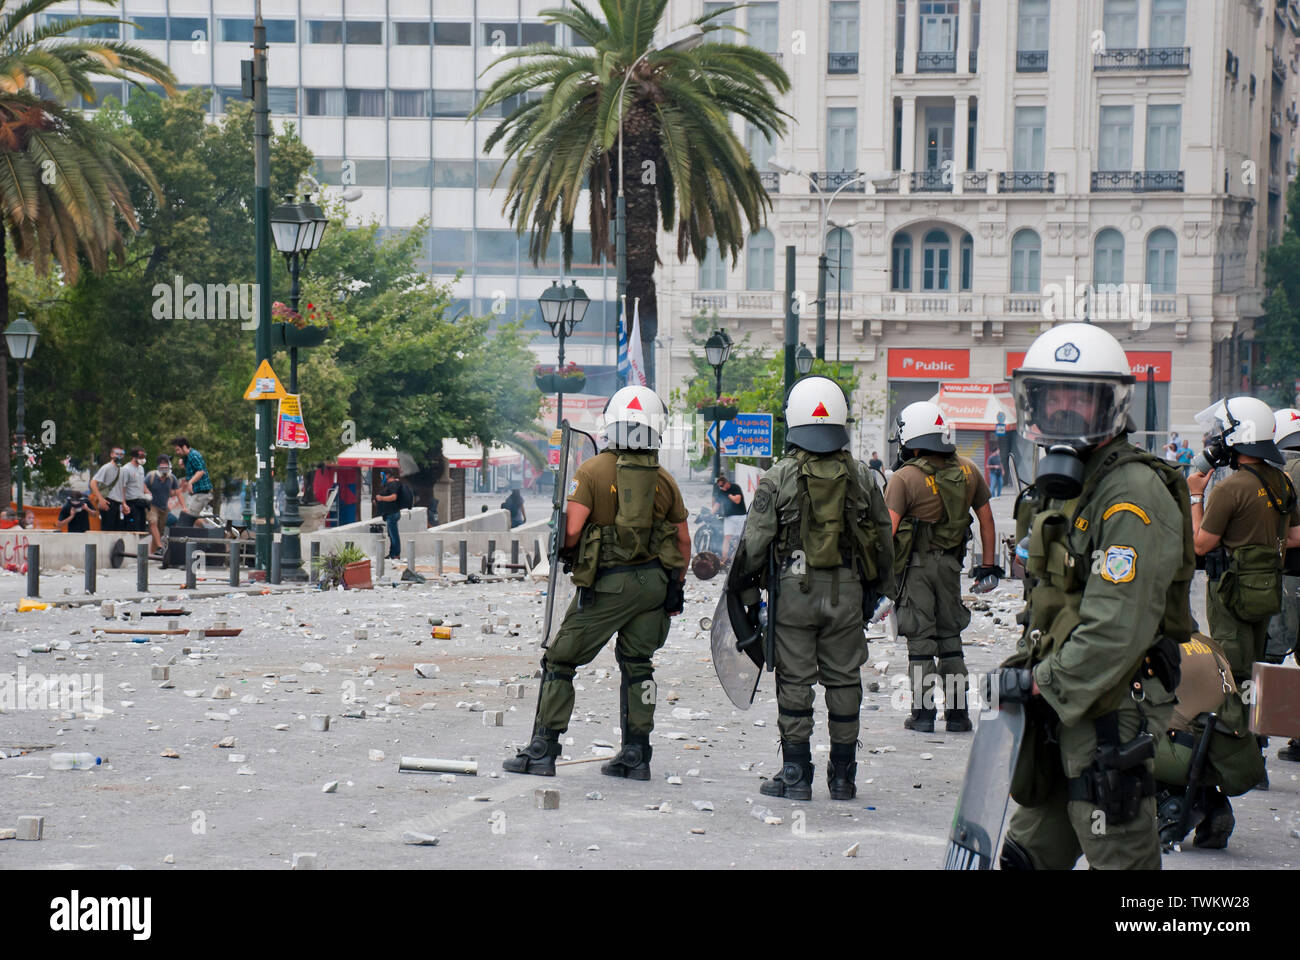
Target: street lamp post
(839,278)
(803,360)
(563,309)
(21,337)
(716,350)
(298,229)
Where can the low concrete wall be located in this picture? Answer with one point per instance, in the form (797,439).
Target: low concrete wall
(59,549)
(477,532)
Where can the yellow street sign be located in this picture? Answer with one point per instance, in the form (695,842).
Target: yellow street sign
(265,385)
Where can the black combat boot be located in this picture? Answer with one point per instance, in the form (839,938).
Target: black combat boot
(1290,752)
(538,758)
(794,782)
(1170,804)
(632,762)
(843,771)
(922,721)
(1216,828)
(1263,749)
(957,721)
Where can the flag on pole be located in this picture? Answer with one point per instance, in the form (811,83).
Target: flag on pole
(624,369)
(635,356)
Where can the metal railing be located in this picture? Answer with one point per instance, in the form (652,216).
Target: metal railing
(841,63)
(770,179)
(931,181)
(975,180)
(1143,58)
(1027,181)
(1137,181)
(898,61)
(936,61)
(1031,61)
(1163,180)
(828,180)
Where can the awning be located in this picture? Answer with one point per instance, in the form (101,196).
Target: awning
(461,456)
(366,456)
(975,406)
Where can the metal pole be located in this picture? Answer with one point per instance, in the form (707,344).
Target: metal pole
(291,522)
(821,305)
(464,558)
(232,562)
(33,570)
(315,560)
(22,445)
(90,568)
(262,249)
(277,554)
(190,575)
(839,291)
(559,393)
(142,565)
(791,321)
(717,425)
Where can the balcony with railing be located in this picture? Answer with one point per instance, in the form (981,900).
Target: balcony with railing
(703,300)
(770,179)
(1027,181)
(931,181)
(826,181)
(841,63)
(936,61)
(974,61)
(1031,61)
(974,181)
(1143,58)
(889,184)
(1137,181)
(898,61)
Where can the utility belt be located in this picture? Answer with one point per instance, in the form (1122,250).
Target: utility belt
(957,551)
(1117,780)
(788,564)
(629,567)
(1183,738)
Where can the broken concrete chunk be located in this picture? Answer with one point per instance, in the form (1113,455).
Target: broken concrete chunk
(414,839)
(493,718)
(159,673)
(320,722)
(426,670)
(547,799)
(221,693)
(852,851)
(376,755)
(170,754)
(31,828)
(330,787)
(304,861)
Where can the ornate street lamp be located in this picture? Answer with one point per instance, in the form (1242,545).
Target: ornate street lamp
(563,309)
(21,337)
(803,360)
(716,350)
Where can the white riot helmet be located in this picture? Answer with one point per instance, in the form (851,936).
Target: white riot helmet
(1286,429)
(1239,425)
(634,419)
(1074,388)
(921,426)
(816,414)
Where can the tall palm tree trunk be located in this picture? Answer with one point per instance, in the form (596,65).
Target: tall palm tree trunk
(6,473)
(641,169)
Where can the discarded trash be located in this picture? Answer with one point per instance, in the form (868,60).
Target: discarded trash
(26,605)
(431,765)
(442,633)
(376,755)
(411,838)
(74,761)
(852,851)
(330,787)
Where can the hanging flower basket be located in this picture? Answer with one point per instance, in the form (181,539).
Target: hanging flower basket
(726,408)
(569,379)
(293,329)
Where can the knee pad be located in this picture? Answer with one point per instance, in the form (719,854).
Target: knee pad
(1014,856)
(851,696)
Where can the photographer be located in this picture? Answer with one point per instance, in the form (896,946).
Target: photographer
(74,516)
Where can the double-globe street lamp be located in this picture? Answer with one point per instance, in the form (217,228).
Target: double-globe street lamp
(20,338)
(563,309)
(716,350)
(298,229)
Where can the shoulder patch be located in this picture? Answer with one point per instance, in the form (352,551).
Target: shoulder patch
(1119,565)
(1126,507)
(763,498)
(1081,523)
(573,486)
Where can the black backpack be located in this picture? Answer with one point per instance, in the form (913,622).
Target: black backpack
(404,499)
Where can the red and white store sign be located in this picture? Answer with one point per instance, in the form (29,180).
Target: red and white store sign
(917,364)
(1161,361)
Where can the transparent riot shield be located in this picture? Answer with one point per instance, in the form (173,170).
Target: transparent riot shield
(576,447)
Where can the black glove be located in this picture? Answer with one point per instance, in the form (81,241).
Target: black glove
(1015,684)
(675,596)
(566,556)
(986,577)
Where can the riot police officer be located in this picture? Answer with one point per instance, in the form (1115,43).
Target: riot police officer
(930,498)
(1108,574)
(822,514)
(1284,629)
(1244,530)
(628,541)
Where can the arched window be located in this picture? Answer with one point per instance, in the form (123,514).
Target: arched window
(839,260)
(1109,257)
(1026,262)
(967,262)
(713,270)
(760,266)
(1162,261)
(901,263)
(936,256)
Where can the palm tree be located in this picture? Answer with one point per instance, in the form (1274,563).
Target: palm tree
(62,190)
(683,161)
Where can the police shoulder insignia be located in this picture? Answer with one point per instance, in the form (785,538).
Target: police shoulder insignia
(573,486)
(1126,507)
(1119,565)
(1081,523)
(762,498)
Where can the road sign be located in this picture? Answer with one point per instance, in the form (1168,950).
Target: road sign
(290,429)
(748,435)
(1001,429)
(265,385)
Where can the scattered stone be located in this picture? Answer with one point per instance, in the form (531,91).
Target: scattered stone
(874,686)
(514,691)
(593,847)
(760,723)
(881,750)
(330,787)
(414,839)
(278,726)
(852,851)
(698,831)
(8,833)
(304,861)
(170,754)
(320,722)
(927,756)
(221,693)
(704,806)
(193,693)
(376,755)
(246,772)
(448,778)
(311,668)
(170,858)
(30,828)
(213,715)
(493,718)
(166,685)
(426,670)
(595,795)
(547,799)
(674,780)
(665,807)
(159,673)
(236,758)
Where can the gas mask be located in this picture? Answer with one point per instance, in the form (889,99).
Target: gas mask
(1060,473)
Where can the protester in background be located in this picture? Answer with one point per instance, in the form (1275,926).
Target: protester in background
(161,484)
(389,507)
(515,504)
(8,519)
(135,505)
(74,516)
(732,504)
(875,463)
(106,491)
(1185,458)
(994,464)
(196,485)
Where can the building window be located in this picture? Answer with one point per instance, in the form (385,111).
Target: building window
(411,173)
(452,103)
(967,262)
(1168,23)
(760,266)
(722,36)
(322,102)
(1026,258)
(1115,145)
(455,174)
(900,273)
(900,35)
(763,26)
(1162,261)
(365,103)
(1119,21)
(839,259)
(324,31)
(501,34)
(841,138)
(240,30)
(155,28)
(843,47)
(282,99)
(411,103)
(1033,28)
(713,271)
(452,34)
(1109,257)
(364,32)
(412,34)
(185,29)
(1031,122)
(939,26)
(1164,125)
(760,148)
(936,254)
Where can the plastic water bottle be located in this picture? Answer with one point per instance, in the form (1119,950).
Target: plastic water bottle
(74,761)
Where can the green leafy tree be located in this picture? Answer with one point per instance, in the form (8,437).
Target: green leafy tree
(685,166)
(1278,332)
(767,393)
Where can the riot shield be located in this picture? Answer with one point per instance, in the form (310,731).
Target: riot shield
(575,447)
(977,825)
(737,670)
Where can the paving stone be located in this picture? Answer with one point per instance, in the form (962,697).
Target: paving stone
(547,799)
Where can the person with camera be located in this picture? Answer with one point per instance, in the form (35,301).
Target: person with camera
(74,515)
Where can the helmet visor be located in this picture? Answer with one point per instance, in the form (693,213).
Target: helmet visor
(1080,411)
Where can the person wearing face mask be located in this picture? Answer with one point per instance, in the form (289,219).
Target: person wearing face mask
(106,491)
(135,498)
(1108,578)
(161,484)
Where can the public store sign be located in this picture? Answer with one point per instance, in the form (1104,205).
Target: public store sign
(918,364)
(1160,361)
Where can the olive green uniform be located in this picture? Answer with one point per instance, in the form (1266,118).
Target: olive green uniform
(1100,585)
(928,553)
(1284,629)
(1240,510)
(626,597)
(819,612)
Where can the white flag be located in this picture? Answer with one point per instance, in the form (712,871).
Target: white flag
(635,356)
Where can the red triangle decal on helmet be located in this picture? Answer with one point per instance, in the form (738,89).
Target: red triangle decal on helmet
(634,403)
(1295,417)
(821,411)
(938,421)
